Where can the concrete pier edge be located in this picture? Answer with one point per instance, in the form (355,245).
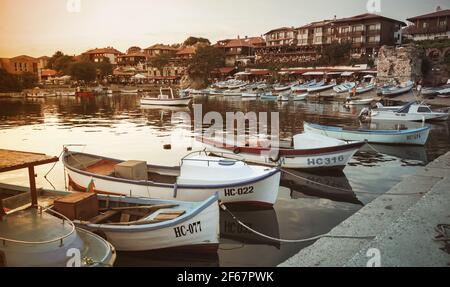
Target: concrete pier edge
(403,227)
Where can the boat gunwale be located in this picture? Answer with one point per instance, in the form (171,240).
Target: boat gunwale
(365,131)
(164,185)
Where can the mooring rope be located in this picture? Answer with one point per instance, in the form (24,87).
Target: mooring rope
(326,235)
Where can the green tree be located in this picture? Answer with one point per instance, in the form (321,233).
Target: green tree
(104,68)
(83,71)
(28,80)
(194,40)
(336,54)
(161,60)
(60,62)
(204,61)
(9,82)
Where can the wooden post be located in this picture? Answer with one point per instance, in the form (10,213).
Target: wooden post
(34,197)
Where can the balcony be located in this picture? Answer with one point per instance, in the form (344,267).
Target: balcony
(428,30)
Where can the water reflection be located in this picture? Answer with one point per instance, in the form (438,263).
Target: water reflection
(119,127)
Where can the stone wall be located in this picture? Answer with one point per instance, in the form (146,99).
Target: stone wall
(439,70)
(399,64)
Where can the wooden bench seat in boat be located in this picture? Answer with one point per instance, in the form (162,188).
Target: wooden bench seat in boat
(104,216)
(169,215)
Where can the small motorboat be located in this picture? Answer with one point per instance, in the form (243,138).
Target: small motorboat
(197,178)
(344,88)
(303,87)
(309,151)
(413,112)
(320,88)
(360,102)
(166,100)
(444,93)
(396,90)
(365,88)
(300,97)
(417,136)
(269,96)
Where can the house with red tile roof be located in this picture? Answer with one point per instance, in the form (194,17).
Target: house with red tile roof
(99,54)
(240,51)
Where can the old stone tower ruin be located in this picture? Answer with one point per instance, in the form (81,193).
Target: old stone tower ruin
(399,64)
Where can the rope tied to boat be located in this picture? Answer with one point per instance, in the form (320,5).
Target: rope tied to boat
(326,235)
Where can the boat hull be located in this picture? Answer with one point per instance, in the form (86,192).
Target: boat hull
(393,116)
(412,137)
(332,158)
(201,229)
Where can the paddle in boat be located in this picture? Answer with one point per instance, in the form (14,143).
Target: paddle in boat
(305,151)
(413,112)
(197,178)
(166,100)
(417,136)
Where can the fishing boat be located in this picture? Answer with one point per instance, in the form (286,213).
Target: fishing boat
(360,102)
(282,88)
(251,94)
(418,136)
(344,88)
(300,97)
(307,151)
(166,100)
(67,94)
(444,93)
(232,93)
(303,87)
(34,236)
(198,177)
(365,88)
(269,96)
(413,112)
(393,91)
(320,88)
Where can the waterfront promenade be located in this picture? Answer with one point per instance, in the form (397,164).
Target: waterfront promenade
(403,226)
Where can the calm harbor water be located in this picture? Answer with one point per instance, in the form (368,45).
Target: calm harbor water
(118,127)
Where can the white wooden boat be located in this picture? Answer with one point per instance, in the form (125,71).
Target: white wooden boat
(303,87)
(67,94)
(365,89)
(139,224)
(344,88)
(444,93)
(269,96)
(413,112)
(197,178)
(166,100)
(319,88)
(300,97)
(417,136)
(282,88)
(309,151)
(232,93)
(360,102)
(251,94)
(394,91)
(284,97)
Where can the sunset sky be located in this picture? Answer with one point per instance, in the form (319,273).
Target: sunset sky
(41,27)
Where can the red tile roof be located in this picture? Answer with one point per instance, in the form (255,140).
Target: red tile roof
(133,55)
(161,47)
(441,13)
(108,50)
(186,50)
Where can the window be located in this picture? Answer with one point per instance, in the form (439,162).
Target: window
(374,39)
(424,25)
(357,28)
(424,110)
(374,27)
(345,30)
(443,23)
(356,40)
(318,30)
(318,39)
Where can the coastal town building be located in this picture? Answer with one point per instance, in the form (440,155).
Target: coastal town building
(430,26)
(99,54)
(159,49)
(240,51)
(23,64)
(367,33)
(132,60)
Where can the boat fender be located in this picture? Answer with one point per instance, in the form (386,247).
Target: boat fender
(237,150)
(275,159)
(175,190)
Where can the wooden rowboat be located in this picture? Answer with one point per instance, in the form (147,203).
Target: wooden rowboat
(196,179)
